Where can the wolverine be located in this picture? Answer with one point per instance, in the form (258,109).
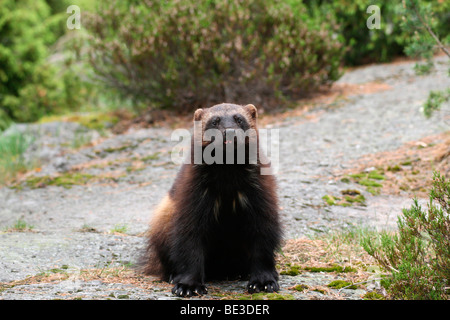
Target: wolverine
(220,219)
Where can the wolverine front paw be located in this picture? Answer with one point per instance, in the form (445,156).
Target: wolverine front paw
(258,284)
(185,290)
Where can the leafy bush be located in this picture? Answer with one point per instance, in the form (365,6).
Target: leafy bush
(418,257)
(428,36)
(30,85)
(376,45)
(25,33)
(435,100)
(183,54)
(428,26)
(364,45)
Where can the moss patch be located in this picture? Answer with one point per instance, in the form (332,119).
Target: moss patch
(119,149)
(350,197)
(264,296)
(294,270)
(291,270)
(376,175)
(131,169)
(154,156)
(373,296)
(395,168)
(322,291)
(339,284)
(300,287)
(329,199)
(370,183)
(333,268)
(66,180)
(371,180)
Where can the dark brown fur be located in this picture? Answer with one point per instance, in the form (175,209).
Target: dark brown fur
(218,221)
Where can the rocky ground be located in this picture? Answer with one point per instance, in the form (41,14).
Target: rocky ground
(90,199)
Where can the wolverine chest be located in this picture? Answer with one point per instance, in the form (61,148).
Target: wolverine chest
(229,191)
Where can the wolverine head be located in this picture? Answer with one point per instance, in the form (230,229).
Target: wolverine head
(228,118)
(226,127)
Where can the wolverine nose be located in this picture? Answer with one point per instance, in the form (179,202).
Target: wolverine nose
(229,135)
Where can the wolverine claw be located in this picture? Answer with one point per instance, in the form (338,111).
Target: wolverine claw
(267,286)
(183,290)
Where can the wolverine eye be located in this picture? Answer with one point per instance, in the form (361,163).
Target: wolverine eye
(215,122)
(238,119)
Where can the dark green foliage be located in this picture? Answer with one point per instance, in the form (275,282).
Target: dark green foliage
(428,25)
(435,100)
(418,257)
(384,44)
(364,45)
(429,29)
(24,38)
(30,85)
(183,54)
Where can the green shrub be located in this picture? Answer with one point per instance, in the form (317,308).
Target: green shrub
(30,84)
(418,257)
(428,35)
(428,26)
(183,54)
(376,45)
(39,95)
(24,38)
(364,45)
(435,100)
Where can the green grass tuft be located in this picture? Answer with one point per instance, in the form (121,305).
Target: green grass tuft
(20,226)
(12,149)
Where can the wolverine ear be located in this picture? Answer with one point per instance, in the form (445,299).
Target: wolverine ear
(198,114)
(252,110)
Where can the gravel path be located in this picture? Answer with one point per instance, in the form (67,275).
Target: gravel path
(73,228)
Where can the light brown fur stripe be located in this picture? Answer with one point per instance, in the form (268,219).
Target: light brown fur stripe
(162,215)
